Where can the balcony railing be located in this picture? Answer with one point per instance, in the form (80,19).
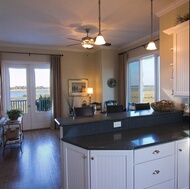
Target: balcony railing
(19,104)
(42,104)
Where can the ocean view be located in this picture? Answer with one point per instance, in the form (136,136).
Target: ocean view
(22,94)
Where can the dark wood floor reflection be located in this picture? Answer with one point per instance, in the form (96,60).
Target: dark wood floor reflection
(38,167)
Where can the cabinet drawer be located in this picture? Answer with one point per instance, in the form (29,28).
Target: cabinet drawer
(154,172)
(153,152)
(164,185)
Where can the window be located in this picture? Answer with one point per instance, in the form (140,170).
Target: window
(143,79)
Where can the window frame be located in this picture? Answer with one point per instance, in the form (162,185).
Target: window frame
(156,75)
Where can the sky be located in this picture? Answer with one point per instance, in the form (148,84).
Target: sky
(18,77)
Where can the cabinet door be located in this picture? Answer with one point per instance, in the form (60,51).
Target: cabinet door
(180,58)
(75,167)
(181,61)
(111,169)
(182,164)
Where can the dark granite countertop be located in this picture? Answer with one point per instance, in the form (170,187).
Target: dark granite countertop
(138,129)
(132,138)
(67,121)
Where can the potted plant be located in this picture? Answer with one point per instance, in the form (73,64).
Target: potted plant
(14,114)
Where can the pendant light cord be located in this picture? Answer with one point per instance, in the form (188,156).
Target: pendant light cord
(99,18)
(151,20)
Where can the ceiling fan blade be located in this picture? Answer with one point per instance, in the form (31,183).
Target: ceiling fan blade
(74,39)
(73,44)
(107,44)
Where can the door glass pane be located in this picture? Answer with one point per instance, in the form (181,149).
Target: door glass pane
(134,79)
(42,89)
(148,79)
(18,89)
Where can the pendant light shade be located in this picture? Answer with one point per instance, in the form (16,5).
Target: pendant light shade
(99,39)
(151,45)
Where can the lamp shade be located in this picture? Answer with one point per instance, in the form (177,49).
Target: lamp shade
(90,91)
(151,46)
(99,40)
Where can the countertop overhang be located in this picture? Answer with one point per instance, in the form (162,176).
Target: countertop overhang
(132,138)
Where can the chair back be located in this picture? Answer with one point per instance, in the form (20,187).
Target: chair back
(131,106)
(111,102)
(83,111)
(98,105)
(142,106)
(115,109)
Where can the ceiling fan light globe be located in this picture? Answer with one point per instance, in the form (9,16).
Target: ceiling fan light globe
(151,46)
(87,45)
(100,40)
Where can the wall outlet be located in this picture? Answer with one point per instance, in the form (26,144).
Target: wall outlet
(117,124)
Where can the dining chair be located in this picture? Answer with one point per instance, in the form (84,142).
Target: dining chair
(83,111)
(98,105)
(115,109)
(142,106)
(111,102)
(131,106)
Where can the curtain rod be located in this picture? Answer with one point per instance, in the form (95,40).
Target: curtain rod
(31,53)
(136,47)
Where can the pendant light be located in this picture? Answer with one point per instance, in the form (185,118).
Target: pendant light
(99,39)
(151,45)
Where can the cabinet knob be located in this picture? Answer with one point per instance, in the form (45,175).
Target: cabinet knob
(92,158)
(156,172)
(84,157)
(156,152)
(180,150)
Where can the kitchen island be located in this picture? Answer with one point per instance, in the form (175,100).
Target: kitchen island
(109,151)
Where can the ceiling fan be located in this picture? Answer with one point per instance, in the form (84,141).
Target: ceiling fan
(87,42)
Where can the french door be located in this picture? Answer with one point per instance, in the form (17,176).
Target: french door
(27,87)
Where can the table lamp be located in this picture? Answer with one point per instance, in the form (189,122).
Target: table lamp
(89,92)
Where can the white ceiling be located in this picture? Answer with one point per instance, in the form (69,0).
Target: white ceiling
(52,22)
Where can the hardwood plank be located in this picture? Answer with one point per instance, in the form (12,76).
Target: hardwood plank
(37,167)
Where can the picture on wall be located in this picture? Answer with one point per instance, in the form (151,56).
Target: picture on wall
(78,87)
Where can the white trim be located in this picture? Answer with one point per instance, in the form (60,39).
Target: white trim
(171,7)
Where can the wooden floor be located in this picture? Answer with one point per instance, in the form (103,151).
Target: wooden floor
(38,167)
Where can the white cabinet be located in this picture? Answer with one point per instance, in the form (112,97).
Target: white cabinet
(164,166)
(180,58)
(75,167)
(97,169)
(111,169)
(182,164)
(154,167)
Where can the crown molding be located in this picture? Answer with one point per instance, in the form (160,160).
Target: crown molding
(171,7)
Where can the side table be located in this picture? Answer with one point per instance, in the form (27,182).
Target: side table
(12,133)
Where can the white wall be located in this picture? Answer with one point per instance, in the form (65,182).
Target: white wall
(77,65)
